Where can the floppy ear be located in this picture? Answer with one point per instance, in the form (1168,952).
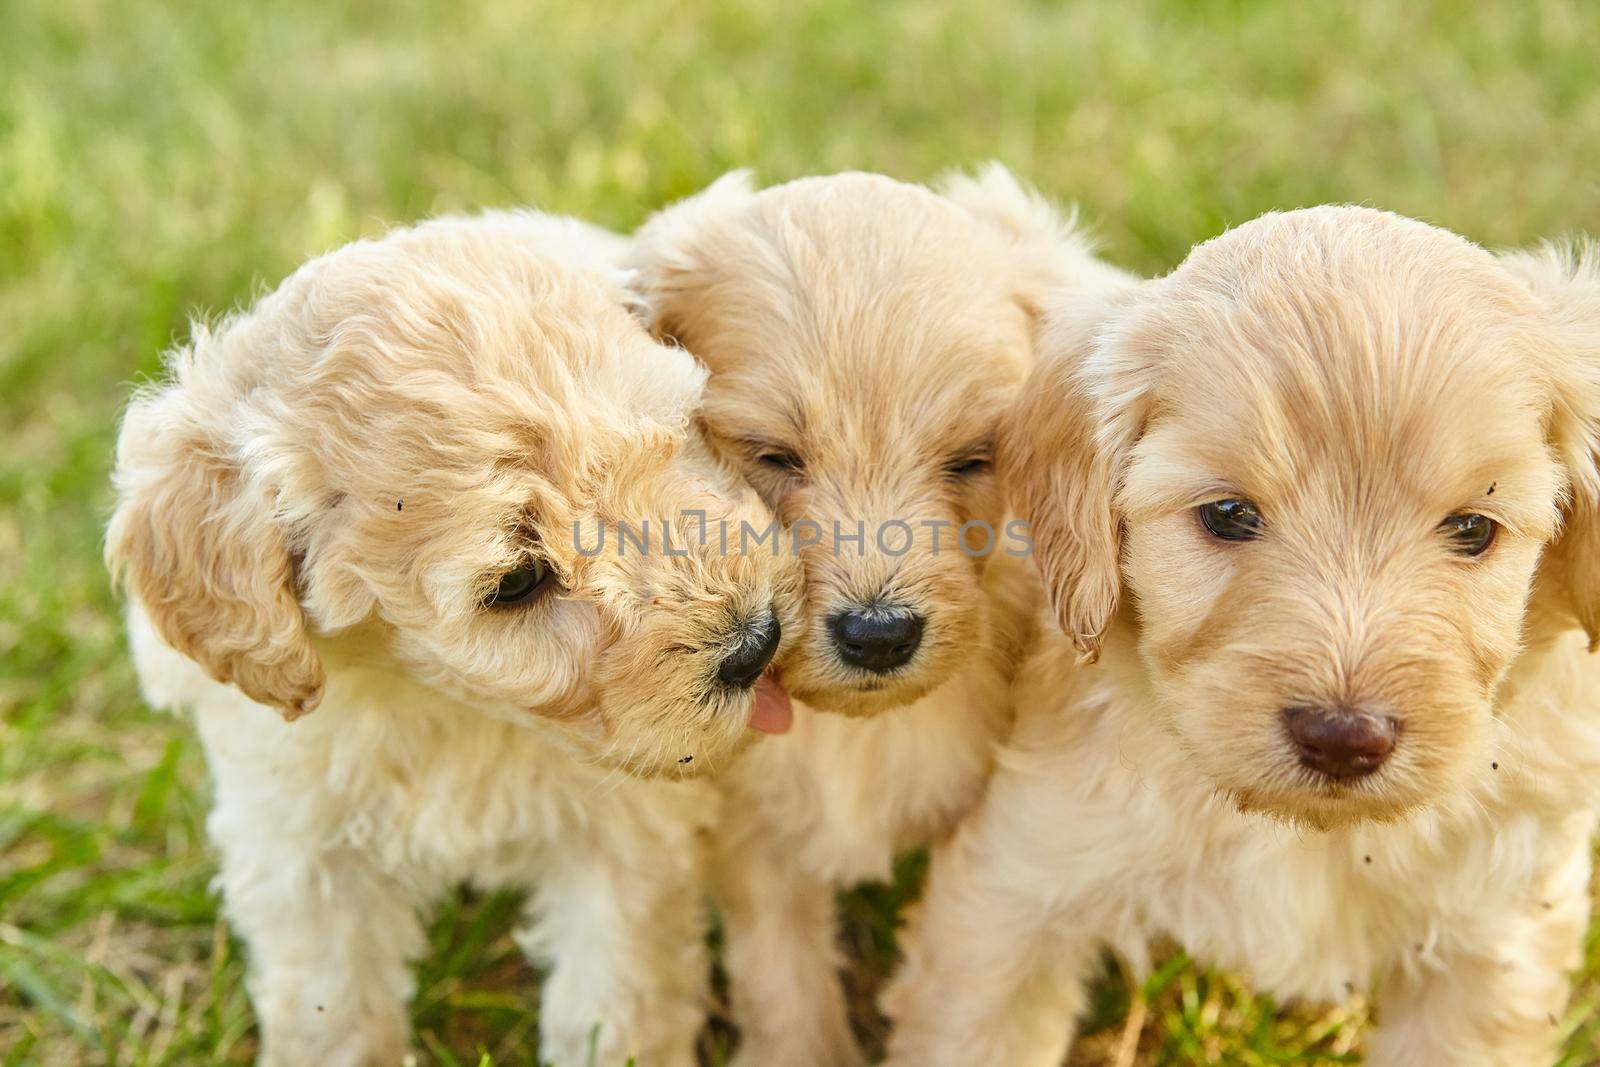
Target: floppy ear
(1061,454)
(1054,251)
(198,545)
(1566,280)
(668,261)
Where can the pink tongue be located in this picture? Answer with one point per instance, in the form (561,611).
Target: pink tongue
(772,714)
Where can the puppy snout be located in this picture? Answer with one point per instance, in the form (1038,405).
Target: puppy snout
(1340,742)
(876,639)
(757,645)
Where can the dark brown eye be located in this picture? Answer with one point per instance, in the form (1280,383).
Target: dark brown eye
(782,460)
(1231,520)
(967,466)
(1470,534)
(521,585)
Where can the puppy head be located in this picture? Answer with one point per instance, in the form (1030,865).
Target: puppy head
(864,338)
(424,438)
(1321,461)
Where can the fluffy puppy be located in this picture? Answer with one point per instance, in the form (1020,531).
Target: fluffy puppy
(1325,499)
(363,497)
(864,338)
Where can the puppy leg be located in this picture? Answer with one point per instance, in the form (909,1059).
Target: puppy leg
(988,979)
(783,963)
(1500,1001)
(623,932)
(330,939)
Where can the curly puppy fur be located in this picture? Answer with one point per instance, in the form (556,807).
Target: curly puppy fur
(1360,377)
(865,338)
(314,510)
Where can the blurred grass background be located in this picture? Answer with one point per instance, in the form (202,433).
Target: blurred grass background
(164,157)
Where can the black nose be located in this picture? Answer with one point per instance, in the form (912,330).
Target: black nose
(757,644)
(876,640)
(1340,742)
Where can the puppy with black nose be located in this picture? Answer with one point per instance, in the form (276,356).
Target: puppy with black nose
(755,647)
(876,639)
(864,339)
(1324,502)
(348,526)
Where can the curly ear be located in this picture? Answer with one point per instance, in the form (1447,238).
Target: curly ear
(1566,280)
(667,260)
(1061,454)
(198,546)
(1053,251)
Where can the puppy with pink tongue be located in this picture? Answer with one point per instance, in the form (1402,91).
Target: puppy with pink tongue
(346,524)
(773,712)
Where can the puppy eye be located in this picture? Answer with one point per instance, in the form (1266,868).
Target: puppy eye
(1470,534)
(967,467)
(1231,520)
(781,459)
(521,585)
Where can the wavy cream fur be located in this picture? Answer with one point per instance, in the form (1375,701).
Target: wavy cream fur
(878,330)
(313,507)
(1359,376)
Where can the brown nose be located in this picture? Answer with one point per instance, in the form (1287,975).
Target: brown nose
(1340,742)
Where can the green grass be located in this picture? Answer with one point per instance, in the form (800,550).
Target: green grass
(162,157)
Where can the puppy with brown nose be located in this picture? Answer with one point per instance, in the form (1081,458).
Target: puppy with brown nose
(1324,502)
(358,506)
(864,339)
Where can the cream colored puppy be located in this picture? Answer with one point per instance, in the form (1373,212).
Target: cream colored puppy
(864,338)
(1325,501)
(362,497)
